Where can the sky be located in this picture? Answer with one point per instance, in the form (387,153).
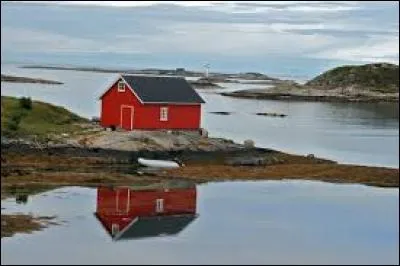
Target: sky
(274,37)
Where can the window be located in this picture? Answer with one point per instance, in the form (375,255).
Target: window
(159,205)
(121,86)
(164,114)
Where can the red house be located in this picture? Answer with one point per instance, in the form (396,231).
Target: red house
(150,102)
(126,213)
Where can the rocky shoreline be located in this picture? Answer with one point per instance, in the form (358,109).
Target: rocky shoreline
(318,96)
(28,169)
(53,165)
(291,91)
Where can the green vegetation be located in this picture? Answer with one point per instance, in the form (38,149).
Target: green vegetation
(26,118)
(380,77)
(25,103)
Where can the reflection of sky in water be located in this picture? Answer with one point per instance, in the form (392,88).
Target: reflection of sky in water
(351,133)
(239,222)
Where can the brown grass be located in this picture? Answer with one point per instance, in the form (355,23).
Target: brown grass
(337,173)
(30,169)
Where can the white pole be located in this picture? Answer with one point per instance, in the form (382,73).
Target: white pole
(207,66)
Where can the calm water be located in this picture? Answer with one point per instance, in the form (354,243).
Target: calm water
(355,133)
(293,222)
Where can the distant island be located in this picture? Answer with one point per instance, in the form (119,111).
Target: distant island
(209,83)
(364,83)
(214,77)
(8,78)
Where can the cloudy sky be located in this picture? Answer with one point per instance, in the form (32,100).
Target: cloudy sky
(293,38)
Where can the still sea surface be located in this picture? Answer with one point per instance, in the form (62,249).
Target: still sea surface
(353,133)
(264,222)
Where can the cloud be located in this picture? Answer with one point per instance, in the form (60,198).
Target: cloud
(253,30)
(46,42)
(386,50)
(224,6)
(189,38)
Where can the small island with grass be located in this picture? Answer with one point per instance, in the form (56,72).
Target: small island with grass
(365,83)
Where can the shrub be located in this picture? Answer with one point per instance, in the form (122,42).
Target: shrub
(25,103)
(13,121)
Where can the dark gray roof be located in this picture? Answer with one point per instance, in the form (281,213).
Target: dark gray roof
(156,226)
(155,89)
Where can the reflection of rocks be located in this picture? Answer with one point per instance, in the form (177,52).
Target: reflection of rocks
(221,113)
(22,223)
(21,198)
(271,114)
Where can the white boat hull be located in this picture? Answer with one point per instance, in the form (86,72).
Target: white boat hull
(158,163)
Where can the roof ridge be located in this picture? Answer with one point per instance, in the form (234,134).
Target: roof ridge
(151,75)
(159,89)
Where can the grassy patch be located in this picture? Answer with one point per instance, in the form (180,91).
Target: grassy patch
(26,118)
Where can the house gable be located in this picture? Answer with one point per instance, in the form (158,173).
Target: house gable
(113,86)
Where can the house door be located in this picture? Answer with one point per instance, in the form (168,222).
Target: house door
(159,205)
(127,117)
(123,200)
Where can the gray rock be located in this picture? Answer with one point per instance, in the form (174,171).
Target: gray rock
(204,132)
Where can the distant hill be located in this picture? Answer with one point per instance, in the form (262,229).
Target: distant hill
(23,117)
(379,77)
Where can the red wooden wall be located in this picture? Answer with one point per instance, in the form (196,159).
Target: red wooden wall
(146,116)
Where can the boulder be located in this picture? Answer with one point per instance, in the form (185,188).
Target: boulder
(203,132)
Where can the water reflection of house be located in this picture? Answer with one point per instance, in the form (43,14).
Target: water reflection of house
(128,213)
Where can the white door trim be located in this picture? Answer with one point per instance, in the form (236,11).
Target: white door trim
(132,114)
(159,205)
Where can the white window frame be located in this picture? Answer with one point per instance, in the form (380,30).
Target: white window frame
(159,205)
(164,113)
(121,88)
